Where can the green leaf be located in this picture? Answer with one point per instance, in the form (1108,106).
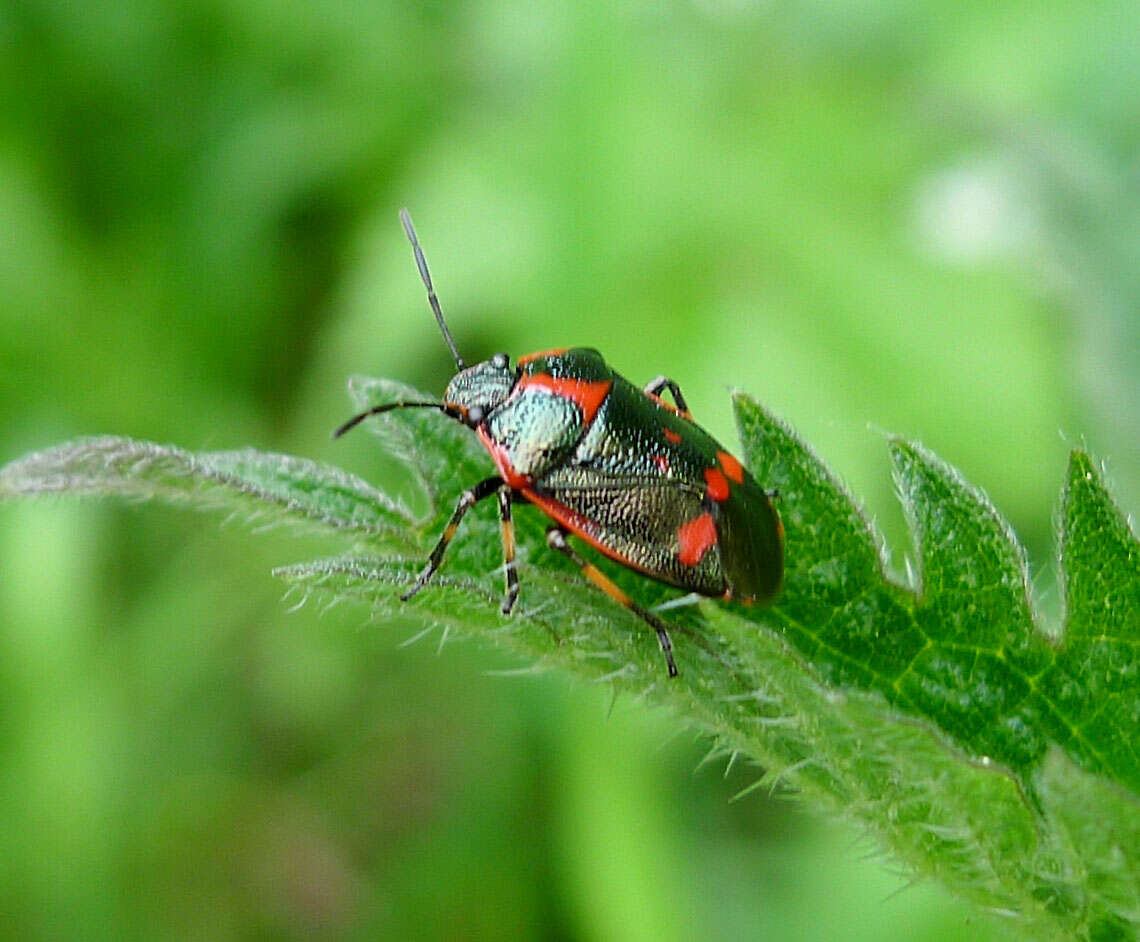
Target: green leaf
(936,712)
(962,656)
(268,488)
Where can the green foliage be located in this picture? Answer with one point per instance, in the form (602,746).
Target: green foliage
(938,715)
(255,482)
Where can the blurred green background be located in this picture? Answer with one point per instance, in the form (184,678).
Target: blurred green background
(915,217)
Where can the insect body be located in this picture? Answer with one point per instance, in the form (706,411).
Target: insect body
(613,464)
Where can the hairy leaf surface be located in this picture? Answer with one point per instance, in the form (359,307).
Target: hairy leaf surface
(939,715)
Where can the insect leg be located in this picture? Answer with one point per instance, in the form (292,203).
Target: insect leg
(508,550)
(467,500)
(655,387)
(556,539)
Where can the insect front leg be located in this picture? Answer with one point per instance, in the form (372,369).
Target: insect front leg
(556,539)
(655,386)
(467,500)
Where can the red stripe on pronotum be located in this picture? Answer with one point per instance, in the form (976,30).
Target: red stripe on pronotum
(589,396)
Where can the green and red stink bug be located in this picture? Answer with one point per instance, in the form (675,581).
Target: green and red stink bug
(612,464)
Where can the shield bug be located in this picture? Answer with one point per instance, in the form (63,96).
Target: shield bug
(611,463)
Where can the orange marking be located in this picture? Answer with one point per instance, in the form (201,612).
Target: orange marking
(462,410)
(731,466)
(502,462)
(697,537)
(662,463)
(717,484)
(542,353)
(674,437)
(603,582)
(589,396)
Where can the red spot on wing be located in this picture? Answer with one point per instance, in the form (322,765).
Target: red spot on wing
(717,484)
(674,437)
(662,463)
(589,396)
(697,537)
(502,462)
(731,466)
(542,353)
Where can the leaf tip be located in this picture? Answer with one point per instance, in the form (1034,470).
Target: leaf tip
(1082,466)
(902,452)
(1083,472)
(1086,489)
(911,463)
(743,405)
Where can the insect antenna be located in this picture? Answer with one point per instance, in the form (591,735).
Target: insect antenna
(388,407)
(421,262)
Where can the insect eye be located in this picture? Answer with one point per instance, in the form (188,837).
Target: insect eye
(475,415)
(500,361)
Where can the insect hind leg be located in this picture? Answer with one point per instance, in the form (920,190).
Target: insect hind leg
(556,539)
(656,386)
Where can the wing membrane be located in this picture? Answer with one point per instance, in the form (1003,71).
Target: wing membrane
(631,518)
